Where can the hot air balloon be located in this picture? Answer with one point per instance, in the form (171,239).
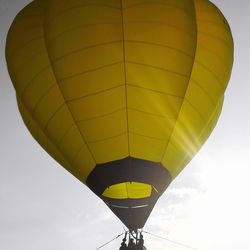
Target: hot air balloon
(122,93)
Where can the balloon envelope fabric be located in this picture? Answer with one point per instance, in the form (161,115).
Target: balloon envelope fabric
(121,93)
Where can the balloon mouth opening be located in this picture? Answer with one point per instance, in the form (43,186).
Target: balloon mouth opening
(129,190)
(134,205)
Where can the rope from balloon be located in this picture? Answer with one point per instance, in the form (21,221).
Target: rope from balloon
(131,234)
(172,241)
(118,236)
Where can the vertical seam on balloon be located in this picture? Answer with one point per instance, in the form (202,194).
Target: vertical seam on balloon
(59,108)
(212,73)
(211,98)
(126,94)
(196,110)
(169,139)
(218,106)
(73,118)
(32,80)
(125,73)
(41,98)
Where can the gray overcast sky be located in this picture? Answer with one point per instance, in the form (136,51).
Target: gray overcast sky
(43,207)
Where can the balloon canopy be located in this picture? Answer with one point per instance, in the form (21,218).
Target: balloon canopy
(121,93)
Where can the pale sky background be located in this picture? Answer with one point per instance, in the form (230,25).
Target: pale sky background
(43,207)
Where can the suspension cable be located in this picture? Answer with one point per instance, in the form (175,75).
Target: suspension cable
(110,241)
(172,241)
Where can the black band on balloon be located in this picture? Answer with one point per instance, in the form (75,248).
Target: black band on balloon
(132,212)
(128,170)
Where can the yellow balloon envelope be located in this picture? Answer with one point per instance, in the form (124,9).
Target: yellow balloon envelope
(121,93)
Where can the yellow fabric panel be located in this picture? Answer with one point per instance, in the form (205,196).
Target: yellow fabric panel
(56,129)
(25,57)
(31,70)
(48,107)
(174,158)
(110,149)
(97,105)
(128,190)
(184,140)
(156,56)
(25,53)
(204,95)
(138,32)
(156,79)
(101,43)
(182,4)
(76,63)
(84,37)
(89,83)
(209,42)
(83,161)
(60,6)
(147,148)
(179,14)
(178,154)
(218,68)
(207,81)
(29,20)
(212,122)
(85,31)
(104,127)
(152,48)
(64,15)
(195,96)
(71,142)
(216,32)
(214,37)
(37,89)
(142,123)
(153,102)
